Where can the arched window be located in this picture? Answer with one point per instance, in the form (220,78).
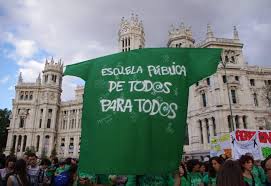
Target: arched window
(201,134)
(245,121)
(207,130)
(19,144)
(237,122)
(37,143)
(230,123)
(24,143)
(214,125)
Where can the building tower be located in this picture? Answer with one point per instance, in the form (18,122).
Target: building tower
(180,37)
(34,112)
(131,34)
(49,106)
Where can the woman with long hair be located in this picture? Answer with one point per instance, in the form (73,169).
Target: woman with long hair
(183,175)
(19,178)
(230,174)
(215,164)
(246,163)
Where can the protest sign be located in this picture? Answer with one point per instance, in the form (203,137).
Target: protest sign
(135,108)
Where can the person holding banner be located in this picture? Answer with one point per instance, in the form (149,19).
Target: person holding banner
(246,163)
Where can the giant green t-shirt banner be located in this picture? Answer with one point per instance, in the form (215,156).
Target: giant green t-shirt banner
(135,107)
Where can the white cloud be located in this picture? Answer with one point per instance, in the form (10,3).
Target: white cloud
(68,86)
(11,88)
(4,79)
(30,69)
(23,48)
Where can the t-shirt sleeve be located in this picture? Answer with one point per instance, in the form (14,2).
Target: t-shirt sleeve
(78,70)
(203,62)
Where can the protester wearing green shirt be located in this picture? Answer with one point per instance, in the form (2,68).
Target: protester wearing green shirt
(246,163)
(183,175)
(215,164)
(259,172)
(194,176)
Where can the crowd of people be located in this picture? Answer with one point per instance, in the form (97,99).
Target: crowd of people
(218,171)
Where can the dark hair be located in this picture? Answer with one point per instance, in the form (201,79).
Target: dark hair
(230,174)
(184,169)
(191,164)
(20,170)
(45,161)
(206,166)
(212,173)
(10,159)
(68,161)
(244,159)
(55,160)
(265,161)
(32,154)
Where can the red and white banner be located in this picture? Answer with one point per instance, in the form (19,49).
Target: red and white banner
(256,142)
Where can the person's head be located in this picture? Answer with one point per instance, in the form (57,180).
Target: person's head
(202,168)
(10,163)
(266,164)
(182,170)
(20,169)
(45,163)
(62,164)
(215,165)
(68,161)
(25,157)
(54,160)
(230,174)
(73,161)
(193,165)
(32,159)
(246,163)
(223,156)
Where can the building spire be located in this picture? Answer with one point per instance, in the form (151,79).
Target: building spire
(209,33)
(20,78)
(38,80)
(235,33)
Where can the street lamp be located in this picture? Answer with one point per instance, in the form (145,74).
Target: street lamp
(224,63)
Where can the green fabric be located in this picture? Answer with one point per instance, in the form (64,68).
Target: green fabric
(144,132)
(250,181)
(195,178)
(149,180)
(185,182)
(209,180)
(259,173)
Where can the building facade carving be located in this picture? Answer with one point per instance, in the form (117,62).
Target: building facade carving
(40,120)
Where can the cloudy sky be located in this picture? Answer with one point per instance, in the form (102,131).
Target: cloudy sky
(33,30)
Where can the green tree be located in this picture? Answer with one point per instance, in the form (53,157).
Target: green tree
(4,123)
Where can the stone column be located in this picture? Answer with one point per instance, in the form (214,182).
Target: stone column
(75,146)
(68,120)
(194,133)
(16,144)
(211,126)
(77,119)
(67,141)
(204,131)
(9,143)
(240,121)
(53,118)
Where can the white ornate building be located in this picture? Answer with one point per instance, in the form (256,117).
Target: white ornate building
(42,121)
